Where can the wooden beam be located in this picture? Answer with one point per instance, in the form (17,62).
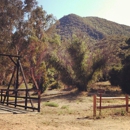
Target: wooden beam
(94,105)
(10,55)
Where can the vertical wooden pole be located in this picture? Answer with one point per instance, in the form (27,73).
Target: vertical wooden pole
(26,98)
(7,92)
(39,100)
(16,94)
(17,81)
(100,104)
(17,75)
(94,105)
(9,84)
(1,94)
(24,78)
(126,102)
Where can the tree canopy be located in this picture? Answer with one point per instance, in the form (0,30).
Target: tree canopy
(22,31)
(74,50)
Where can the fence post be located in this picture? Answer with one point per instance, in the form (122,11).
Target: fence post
(100,103)
(39,99)
(16,94)
(7,94)
(1,94)
(94,105)
(126,97)
(26,98)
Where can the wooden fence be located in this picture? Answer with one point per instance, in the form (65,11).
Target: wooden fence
(100,98)
(12,97)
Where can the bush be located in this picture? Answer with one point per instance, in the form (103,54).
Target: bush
(125,79)
(114,77)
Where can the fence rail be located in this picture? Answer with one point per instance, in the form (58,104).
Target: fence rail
(100,98)
(12,97)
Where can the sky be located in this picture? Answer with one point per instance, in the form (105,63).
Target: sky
(114,10)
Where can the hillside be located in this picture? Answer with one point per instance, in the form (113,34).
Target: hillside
(92,27)
(100,32)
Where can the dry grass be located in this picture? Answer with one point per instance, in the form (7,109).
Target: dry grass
(73,111)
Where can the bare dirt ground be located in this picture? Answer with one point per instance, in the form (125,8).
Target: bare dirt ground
(69,110)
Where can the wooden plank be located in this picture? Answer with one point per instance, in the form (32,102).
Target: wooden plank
(10,55)
(112,106)
(34,108)
(9,109)
(109,98)
(34,98)
(19,90)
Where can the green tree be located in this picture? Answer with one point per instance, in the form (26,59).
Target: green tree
(23,27)
(79,66)
(12,12)
(125,71)
(39,21)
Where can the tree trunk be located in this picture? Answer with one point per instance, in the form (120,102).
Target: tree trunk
(81,87)
(34,80)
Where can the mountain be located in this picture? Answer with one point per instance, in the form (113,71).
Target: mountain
(102,38)
(91,27)
(100,34)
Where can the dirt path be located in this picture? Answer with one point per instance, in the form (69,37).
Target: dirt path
(73,112)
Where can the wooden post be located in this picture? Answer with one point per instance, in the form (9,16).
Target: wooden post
(7,94)
(26,98)
(39,100)
(100,104)
(126,102)
(16,94)
(24,78)
(1,94)
(9,84)
(94,105)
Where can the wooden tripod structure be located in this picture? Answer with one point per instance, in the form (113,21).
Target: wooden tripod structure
(15,74)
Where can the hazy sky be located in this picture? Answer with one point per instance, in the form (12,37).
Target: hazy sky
(114,10)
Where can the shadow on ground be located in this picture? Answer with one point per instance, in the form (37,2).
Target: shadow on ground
(60,94)
(73,94)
